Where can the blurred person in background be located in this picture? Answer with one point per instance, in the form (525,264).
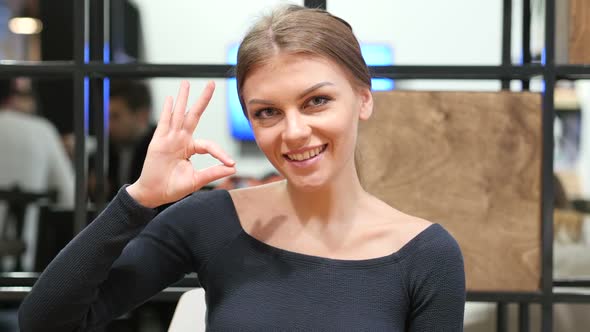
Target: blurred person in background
(33,160)
(130,132)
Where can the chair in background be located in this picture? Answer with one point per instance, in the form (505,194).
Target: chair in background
(190,312)
(11,225)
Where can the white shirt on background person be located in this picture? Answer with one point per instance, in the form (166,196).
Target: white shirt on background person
(33,158)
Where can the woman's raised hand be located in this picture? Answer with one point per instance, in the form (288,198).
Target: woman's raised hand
(167,173)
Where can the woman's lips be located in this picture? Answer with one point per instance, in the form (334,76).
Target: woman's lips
(306,158)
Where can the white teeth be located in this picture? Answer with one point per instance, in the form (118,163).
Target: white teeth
(306,155)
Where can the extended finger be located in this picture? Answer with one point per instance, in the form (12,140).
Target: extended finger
(213,173)
(180,105)
(194,114)
(164,122)
(202,147)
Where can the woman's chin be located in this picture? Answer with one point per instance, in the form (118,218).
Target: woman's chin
(306,184)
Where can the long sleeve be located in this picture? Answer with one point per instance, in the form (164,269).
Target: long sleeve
(106,270)
(436,279)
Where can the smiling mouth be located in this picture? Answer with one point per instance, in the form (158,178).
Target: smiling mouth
(309,154)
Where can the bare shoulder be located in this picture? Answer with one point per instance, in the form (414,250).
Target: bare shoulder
(403,228)
(400,226)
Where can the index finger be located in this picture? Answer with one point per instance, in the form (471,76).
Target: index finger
(203,147)
(194,114)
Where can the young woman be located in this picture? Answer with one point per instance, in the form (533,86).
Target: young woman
(313,252)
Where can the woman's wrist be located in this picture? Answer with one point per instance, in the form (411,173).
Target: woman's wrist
(134,190)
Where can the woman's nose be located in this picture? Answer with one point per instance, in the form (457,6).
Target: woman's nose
(297,130)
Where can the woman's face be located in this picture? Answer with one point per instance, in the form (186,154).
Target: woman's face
(304,113)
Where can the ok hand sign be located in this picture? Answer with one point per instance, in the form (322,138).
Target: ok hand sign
(167,174)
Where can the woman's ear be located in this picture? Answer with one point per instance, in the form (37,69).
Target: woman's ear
(366,108)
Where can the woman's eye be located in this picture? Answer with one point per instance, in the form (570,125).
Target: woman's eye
(265,113)
(318,101)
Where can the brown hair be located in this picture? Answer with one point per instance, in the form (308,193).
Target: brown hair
(299,30)
(135,93)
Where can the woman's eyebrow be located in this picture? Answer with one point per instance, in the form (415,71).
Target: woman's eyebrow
(314,87)
(260,101)
(303,94)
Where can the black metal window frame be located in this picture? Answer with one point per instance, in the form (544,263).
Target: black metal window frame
(92,14)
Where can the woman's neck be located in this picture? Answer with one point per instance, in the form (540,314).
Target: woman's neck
(336,202)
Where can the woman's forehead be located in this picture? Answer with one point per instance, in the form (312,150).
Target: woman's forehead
(293,70)
(283,59)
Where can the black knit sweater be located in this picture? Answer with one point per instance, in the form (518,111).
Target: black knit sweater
(126,256)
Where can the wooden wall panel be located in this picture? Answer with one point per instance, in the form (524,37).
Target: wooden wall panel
(470,161)
(579,32)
